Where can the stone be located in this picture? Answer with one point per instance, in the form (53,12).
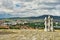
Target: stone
(48,24)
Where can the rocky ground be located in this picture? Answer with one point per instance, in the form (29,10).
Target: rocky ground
(28,35)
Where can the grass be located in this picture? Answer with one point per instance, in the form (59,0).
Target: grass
(13,34)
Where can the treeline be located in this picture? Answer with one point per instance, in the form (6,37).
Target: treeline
(35,25)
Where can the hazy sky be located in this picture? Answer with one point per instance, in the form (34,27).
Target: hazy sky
(27,8)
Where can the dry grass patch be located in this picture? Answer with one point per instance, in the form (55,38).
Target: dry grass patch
(29,35)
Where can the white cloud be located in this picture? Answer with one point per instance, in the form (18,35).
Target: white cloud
(30,7)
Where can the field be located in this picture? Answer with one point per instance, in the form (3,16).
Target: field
(15,34)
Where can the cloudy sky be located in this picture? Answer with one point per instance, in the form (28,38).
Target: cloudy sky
(28,8)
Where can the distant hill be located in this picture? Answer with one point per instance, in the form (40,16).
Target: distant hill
(38,17)
(57,18)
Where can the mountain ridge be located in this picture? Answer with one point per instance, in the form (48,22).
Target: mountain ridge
(38,17)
